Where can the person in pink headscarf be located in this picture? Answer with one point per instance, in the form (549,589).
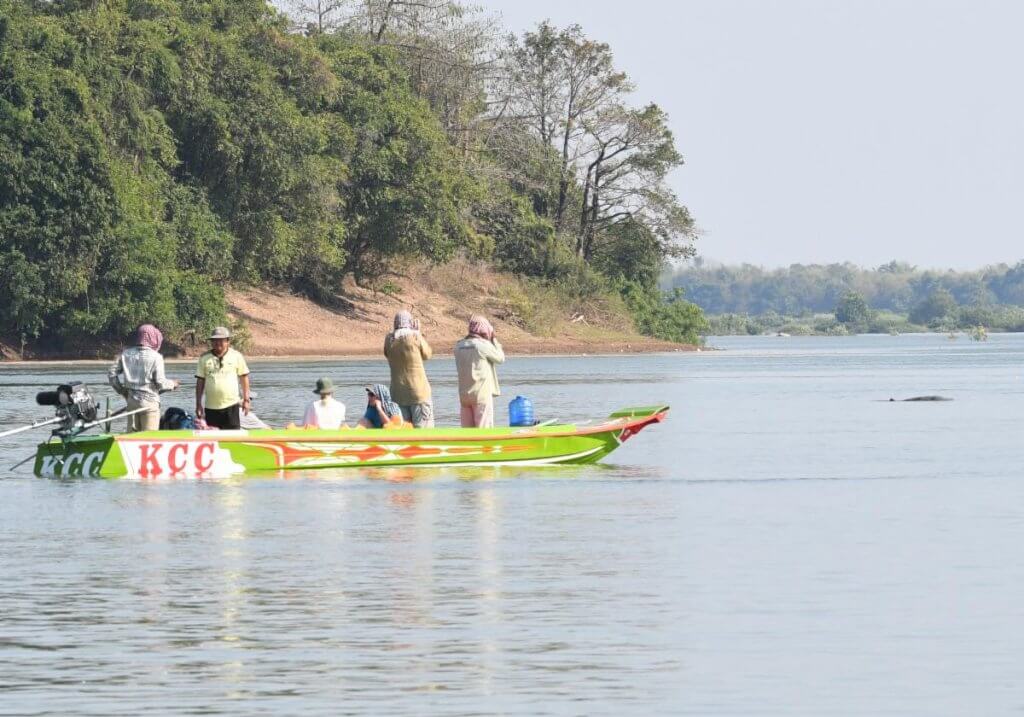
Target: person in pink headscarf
(138,375)
(476,360)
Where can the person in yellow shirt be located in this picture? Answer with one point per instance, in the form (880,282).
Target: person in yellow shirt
(218,374)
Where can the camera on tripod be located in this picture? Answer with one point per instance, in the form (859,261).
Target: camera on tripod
(75,405)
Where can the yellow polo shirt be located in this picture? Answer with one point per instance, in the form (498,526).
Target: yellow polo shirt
(221,375)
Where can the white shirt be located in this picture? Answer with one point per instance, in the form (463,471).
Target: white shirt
(139,373)
(325,413)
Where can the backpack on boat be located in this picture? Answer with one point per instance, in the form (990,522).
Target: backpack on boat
(177,419)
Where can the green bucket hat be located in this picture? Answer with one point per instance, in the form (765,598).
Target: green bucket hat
(324,385)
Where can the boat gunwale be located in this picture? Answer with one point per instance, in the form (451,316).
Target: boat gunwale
(385,436)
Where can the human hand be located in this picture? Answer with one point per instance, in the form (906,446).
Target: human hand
(176,383)
(246,404)
(199,410)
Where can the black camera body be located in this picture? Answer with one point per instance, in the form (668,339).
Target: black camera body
(75,405)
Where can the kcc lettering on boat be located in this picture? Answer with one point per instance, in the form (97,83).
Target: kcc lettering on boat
(174,459)
(76,464)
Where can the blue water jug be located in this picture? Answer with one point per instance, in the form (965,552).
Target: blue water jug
(520,411)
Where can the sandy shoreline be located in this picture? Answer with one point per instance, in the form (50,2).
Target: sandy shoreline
(313,358)
(276,324)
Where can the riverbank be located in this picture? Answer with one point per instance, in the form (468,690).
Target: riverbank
(997,319)
(275,323)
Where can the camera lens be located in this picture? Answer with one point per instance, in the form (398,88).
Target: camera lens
(48,398)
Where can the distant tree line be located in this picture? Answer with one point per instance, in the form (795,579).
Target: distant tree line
(847,298)
(154,150)
(895,286)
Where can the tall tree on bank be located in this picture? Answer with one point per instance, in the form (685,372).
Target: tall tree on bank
(592,88)
(561,82)
(318,16)
(554,114)
(612,161)
(373,19)
(633,151)
(446,47)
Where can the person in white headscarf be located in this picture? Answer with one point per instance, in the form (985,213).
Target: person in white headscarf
(406,350)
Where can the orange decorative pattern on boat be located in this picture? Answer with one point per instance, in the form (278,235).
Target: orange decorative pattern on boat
(291,454)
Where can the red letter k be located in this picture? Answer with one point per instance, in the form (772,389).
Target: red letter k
(150,467)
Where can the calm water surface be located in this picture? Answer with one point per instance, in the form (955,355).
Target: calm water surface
(789,542)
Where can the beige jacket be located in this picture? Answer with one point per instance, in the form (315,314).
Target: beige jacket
(406,355)
(476,361)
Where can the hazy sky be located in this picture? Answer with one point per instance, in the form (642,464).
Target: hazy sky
(828,130)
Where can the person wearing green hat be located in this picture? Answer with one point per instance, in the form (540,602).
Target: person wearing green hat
(325,412)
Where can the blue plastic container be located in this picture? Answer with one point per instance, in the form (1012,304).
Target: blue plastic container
(520,411)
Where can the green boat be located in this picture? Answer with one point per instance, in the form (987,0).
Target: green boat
(157,455)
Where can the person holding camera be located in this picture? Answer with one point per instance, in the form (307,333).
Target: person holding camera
(476,359)
(406,349)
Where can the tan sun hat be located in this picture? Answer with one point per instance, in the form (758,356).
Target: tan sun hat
(221,332)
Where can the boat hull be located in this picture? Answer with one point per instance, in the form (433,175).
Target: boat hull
(157,455)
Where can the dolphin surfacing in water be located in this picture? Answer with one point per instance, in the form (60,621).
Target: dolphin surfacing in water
(923,398)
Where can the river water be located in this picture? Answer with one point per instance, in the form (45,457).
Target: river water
(788,542)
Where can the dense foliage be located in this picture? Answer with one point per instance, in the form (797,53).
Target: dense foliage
(843,298)
(964,318)
(666,316)
(853,311)
(802,288)
(154,150)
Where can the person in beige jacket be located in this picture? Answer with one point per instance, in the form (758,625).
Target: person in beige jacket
(476,359)
(406,350)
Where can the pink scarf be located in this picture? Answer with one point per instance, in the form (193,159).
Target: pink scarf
(149,335)
(479,326)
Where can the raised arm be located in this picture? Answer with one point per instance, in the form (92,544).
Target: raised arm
(492,351)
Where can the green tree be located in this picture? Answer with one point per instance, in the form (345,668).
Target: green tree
(155,150)
(630,251)
(611,160)
(938,308)
(853,311)
(667,317)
